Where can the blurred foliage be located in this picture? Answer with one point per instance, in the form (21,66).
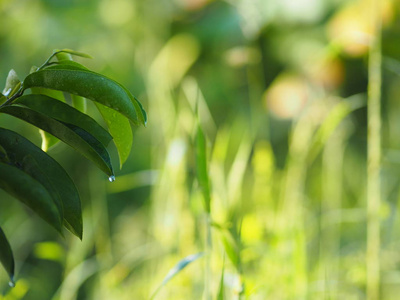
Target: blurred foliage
(278,88)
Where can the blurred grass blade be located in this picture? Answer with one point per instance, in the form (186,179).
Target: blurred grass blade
(76,137)
(90,85)
(65,113)
(201,167)
(120,129)
(6,256)
(175,270)
(19,147)
(231,247)
(332,121)
(220,295)
(32,193)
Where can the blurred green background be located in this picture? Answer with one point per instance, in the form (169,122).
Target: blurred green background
(281,89)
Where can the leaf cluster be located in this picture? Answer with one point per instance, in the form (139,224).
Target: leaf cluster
(56,105)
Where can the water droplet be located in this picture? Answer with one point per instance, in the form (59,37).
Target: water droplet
(11,283)
(111,178)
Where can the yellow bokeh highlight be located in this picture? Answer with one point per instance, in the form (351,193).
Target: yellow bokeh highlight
(116,12)
(287,95)
(351,27)
(50,251)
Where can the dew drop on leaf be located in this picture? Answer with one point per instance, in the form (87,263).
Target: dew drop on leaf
(111,178)
(11,283)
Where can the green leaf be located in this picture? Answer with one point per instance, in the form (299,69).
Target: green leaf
(48,140)
(76,137)
(31,192)
(332,121)
(120,129)
(30,166)
(66,64)
(66,114)
(17,147)
(175,270)
(72,52)
(89,85)
(72,65)
(139,107)
(50,93)
(2,98)
(6,256)
(201,167)
(77,101)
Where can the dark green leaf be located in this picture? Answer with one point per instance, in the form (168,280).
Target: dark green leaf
(139,107)
(48,140)
(71,65)
(201,166)
(6,256)
(76,137)
(120,129)
(31,192)
(2,98)
(18,147)
(89,85)
(77,101)
(66,114)
(30,166)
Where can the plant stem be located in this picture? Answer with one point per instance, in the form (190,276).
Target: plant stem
(15,96)
(207,273)
(374,155)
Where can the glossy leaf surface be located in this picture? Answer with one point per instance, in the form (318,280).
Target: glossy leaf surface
(48,140)
(72,65)
(31,192)
(76,137)
(18,148)
(120,129)
(6,256)
(67,114)
(77,101)
(89,85)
